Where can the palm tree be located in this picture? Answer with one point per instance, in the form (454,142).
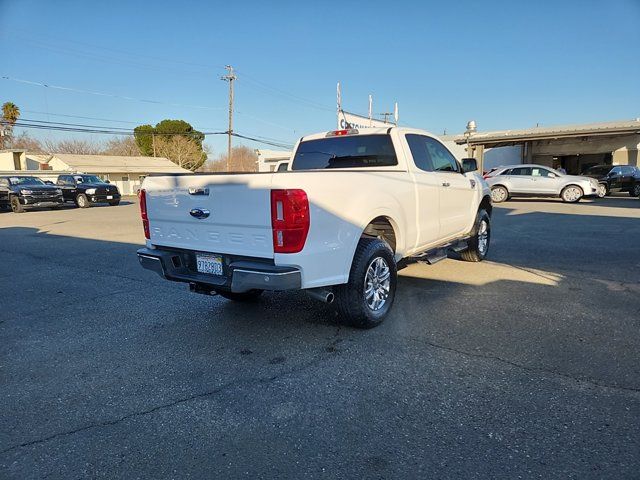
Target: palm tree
(10,114)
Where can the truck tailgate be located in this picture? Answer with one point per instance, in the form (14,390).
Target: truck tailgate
(239,207)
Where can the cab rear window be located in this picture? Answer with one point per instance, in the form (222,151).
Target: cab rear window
(354,151)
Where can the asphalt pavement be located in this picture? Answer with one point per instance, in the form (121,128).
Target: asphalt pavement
(523,366)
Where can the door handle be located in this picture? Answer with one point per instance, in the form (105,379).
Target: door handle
(446,184)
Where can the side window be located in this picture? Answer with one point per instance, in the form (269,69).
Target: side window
(521,171)
(418,147)
(506,172)
(627,170)
(616,171)
(441,158)
(540,172)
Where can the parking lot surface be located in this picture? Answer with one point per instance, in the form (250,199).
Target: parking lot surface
(523,366)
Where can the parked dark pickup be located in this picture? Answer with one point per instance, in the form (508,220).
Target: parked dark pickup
(20,192)
(85,190)
(616,178)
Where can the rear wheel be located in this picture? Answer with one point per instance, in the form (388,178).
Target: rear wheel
(82,201)
(571,194)
(499,194)
(115,203)
(480,238)
(16,206)
(366,299)
(249,296)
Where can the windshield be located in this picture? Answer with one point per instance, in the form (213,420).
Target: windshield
(88,179)
(354,151)
(25,181)
(598,170)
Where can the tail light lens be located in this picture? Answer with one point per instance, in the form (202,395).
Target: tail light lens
(289,220)
(143,214)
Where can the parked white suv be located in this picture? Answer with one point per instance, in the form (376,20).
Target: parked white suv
(353,208)
(529,180)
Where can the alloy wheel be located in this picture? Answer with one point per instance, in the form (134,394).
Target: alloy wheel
(377,284)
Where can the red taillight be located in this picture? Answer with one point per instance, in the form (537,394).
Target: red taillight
(143,214)
(289,220)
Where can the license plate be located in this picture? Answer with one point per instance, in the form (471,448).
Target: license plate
(211,264)
(109,197)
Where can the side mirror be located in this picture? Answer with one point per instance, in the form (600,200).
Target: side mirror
(48,182)
(469,165)
(107,181)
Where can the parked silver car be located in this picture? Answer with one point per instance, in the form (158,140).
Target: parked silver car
(528,180)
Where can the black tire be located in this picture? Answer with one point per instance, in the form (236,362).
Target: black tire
(82,201)
(635,190)
(350,298)
(478,250)
(16,206)
(501,194)
(249,296)
(564,195)
(115,203)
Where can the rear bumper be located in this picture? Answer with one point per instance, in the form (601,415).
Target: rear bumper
(240,276)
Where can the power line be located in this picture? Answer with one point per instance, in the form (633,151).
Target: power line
(95,129)
(103,94)
(135,61)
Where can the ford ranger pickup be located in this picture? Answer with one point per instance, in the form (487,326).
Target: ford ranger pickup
(353,208)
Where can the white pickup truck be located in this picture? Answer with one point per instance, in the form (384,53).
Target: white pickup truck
(353,208)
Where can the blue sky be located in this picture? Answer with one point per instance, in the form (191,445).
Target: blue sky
(505,64)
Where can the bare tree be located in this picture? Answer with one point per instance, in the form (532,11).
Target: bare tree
(181,150)
(72,146)
(26,143)
(243,159)
(125,146)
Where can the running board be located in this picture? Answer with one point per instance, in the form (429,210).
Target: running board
(440,253)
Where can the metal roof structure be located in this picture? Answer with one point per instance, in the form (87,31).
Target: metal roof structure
(623,127)
(112,163)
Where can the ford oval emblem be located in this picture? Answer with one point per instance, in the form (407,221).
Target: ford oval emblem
(199,213)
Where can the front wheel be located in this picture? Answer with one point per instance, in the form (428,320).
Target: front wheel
(114,203)
(249,296)
(499,194)
(635,190)
(480,238)
(366,299)
(571,194)
(602,190)
(82,201)
(16,206)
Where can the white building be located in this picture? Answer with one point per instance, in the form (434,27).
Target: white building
(268,159)
(125,172)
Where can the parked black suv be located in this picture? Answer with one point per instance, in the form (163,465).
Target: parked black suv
(20,192)
(617,178)
(85,190)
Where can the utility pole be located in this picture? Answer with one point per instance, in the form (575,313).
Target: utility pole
(153,142)
(229,77)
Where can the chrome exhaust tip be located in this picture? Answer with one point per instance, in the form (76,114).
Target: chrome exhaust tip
(322,294)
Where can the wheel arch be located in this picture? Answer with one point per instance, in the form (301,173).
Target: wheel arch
(486,204)
(385,228)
